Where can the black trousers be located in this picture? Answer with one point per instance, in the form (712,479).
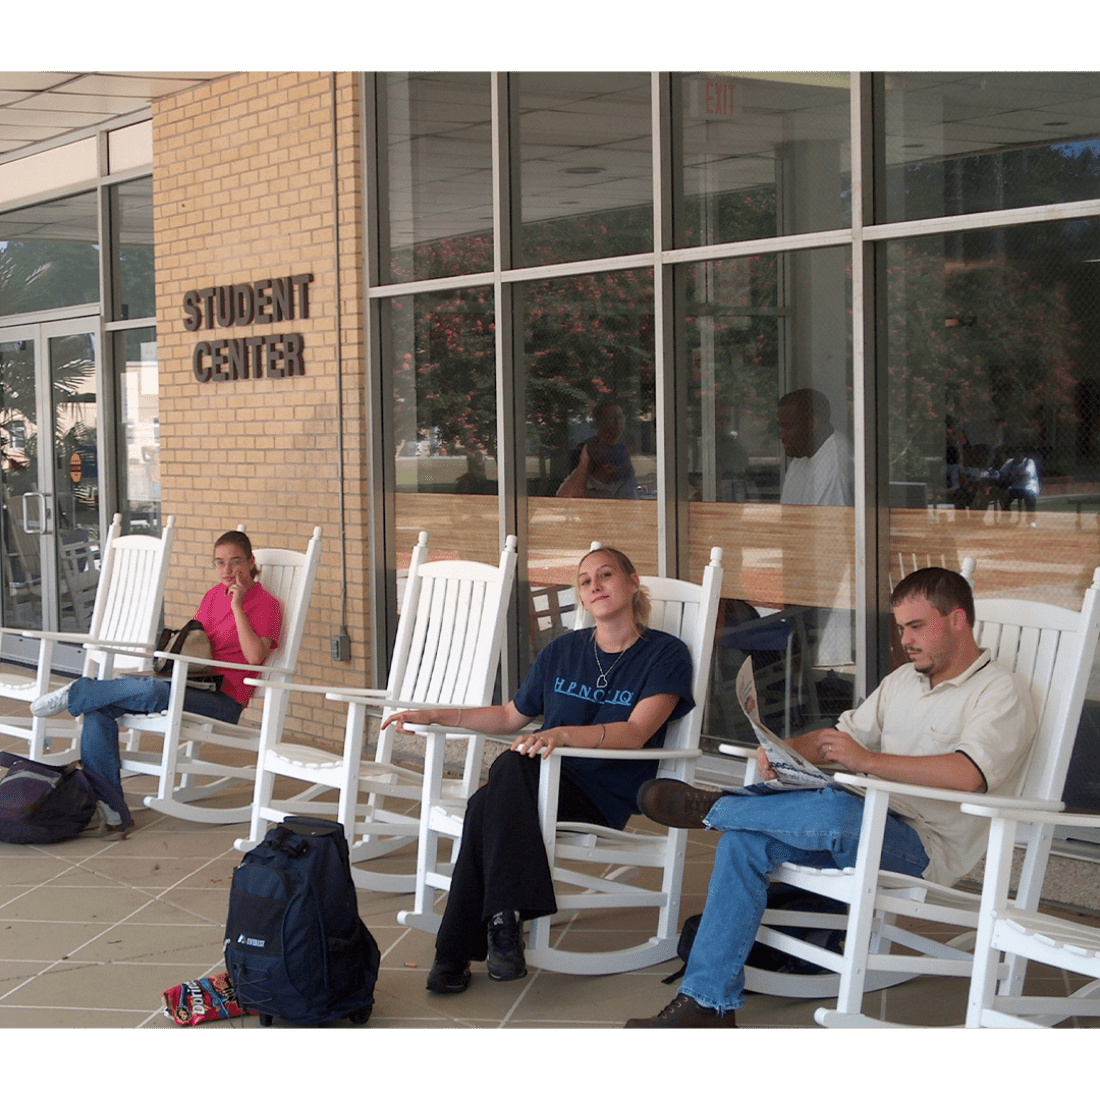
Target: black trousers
(502,860)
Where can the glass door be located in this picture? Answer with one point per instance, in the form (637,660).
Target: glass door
(49,479)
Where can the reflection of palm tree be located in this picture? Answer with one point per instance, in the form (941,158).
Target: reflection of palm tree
(37,275)
(73,373)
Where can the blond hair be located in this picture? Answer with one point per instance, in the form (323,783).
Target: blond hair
(641,595)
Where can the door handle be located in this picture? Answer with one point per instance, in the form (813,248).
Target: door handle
(41,525)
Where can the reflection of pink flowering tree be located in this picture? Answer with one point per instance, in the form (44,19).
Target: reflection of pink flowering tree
(586,338)
(453,369)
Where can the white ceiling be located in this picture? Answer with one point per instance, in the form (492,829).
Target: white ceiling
(37,107)
(585,142)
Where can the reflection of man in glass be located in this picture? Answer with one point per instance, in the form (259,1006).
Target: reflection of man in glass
(820,467)
(601,465)
(819,472)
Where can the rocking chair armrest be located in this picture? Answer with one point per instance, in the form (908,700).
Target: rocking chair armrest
(122,645)
(1040,817)
(285,685)
(376,698)
(435,730)
(124,649)
(629,754)
(942,794)
(189,659)
(744,752)
(51,635)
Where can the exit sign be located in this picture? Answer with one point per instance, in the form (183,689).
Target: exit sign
(718,97)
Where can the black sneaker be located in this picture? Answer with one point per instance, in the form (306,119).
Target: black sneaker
(505,961)
(448,976)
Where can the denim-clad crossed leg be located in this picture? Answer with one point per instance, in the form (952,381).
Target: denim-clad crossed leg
(103,702)
(762,829)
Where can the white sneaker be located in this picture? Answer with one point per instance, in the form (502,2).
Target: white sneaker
(46,706)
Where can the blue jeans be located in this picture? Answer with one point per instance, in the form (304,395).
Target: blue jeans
(103,702)
(763,828)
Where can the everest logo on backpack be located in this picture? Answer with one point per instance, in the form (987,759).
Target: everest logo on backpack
(295,947)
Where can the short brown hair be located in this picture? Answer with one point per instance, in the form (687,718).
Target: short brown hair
(944,589)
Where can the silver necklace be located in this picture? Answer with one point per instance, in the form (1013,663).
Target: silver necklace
(601,680)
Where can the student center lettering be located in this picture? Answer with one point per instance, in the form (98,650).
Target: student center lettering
(263,302)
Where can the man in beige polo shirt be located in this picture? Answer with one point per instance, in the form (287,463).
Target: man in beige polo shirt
(951,717)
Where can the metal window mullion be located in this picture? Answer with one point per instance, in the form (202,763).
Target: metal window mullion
(671,556)
(986,219)
(380,503)
(762,246)
(110,436)
(863,390)
(134,323)
(510,388)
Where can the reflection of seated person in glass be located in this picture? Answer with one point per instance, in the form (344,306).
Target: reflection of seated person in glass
(820,467)
(957,488)
(601,465)
(980,478)
(474,480)
(819,472)
(1019,480)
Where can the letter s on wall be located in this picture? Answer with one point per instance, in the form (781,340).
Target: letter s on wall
(191,308)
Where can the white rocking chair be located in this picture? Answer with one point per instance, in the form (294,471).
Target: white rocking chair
(688,611)
(1051,649)
(446,654)
(288,575)
(1019,932)
(126,613)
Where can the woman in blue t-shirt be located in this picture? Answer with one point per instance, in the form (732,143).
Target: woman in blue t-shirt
(613,686)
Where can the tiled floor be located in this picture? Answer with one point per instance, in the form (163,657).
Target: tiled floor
(93,932)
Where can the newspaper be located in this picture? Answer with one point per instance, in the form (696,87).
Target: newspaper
(791,768)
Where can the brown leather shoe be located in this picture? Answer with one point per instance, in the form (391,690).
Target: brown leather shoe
(683,1011)
(670,802)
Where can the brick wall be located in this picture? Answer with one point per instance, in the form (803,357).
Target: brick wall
(243,191)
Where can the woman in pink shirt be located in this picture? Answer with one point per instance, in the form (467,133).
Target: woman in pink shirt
(242,621)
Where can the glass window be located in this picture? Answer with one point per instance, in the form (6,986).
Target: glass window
(442,355)
(591,440)
(957,143)
(994,417)
(439,165)
(138,430)
(762,155)
(993,432)
(766,356)
(134,250)
(76,435)
(586,166)
(49,255)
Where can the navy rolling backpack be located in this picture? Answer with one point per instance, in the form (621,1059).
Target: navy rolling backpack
(295,946)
